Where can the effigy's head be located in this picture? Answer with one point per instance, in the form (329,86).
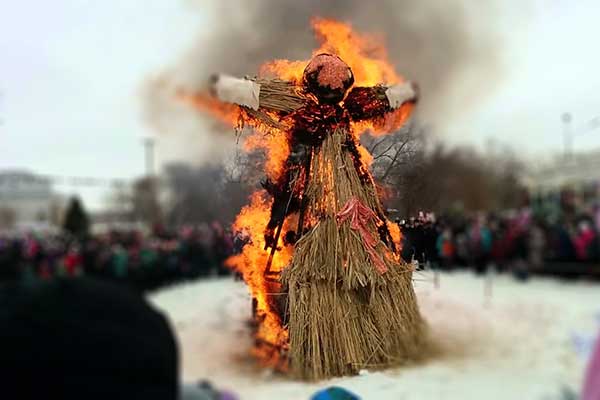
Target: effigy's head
(328,78)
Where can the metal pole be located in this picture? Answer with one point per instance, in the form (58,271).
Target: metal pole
(567,135)
(152,195)
(1,101)
(149,155)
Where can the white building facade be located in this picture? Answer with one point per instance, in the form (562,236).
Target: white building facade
(27,201)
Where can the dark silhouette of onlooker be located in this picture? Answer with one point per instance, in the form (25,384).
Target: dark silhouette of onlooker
(84,339)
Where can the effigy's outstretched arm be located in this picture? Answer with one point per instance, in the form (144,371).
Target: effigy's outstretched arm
(240,91)
(374,102)
(258,94)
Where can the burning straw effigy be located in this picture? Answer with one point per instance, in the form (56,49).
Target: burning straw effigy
(332,295)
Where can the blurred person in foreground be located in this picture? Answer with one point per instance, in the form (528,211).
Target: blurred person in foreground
(591,385)
(83,339)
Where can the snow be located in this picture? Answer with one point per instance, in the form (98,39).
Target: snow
(516,341)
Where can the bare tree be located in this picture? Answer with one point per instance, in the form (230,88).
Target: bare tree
(420,175)
(394,152)
(206,193)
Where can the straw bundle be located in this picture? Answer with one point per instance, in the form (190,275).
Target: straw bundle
(344,315)
(281,96)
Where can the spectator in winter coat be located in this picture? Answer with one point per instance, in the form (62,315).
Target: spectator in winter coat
(584,239)
(480,243)
(591,385)
(84,339)
(119,261)
(445,248)
(73,262)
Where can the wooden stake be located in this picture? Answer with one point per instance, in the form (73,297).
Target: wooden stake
(268,271)
(488,287)
(300,229)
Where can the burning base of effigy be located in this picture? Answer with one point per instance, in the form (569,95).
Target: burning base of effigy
(332,295)
(351,301)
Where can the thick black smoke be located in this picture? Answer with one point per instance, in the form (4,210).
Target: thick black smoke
(450,50)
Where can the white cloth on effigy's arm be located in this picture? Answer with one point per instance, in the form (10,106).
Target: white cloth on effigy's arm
(243,92)
(400,94)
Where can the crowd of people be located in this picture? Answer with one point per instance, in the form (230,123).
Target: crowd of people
(72,324)
(550,235)
(524,241)
(142,261)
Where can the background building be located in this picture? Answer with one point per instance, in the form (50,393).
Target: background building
(27,201)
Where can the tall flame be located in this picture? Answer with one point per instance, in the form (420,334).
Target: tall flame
(252,264)
(365,55)
(368,59)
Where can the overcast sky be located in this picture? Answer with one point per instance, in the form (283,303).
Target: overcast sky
(71,72)
(552,67)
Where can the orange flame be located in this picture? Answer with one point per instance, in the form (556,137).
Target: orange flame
(368,59)
(229,114)
(396,234)
(391,122)
(252,264)
(277,150)
(364,54)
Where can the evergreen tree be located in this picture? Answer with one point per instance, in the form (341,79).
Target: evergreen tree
(77,221)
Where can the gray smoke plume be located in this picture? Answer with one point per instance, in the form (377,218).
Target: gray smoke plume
(452,52)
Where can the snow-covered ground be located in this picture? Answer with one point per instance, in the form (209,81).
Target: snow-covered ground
(518,341)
